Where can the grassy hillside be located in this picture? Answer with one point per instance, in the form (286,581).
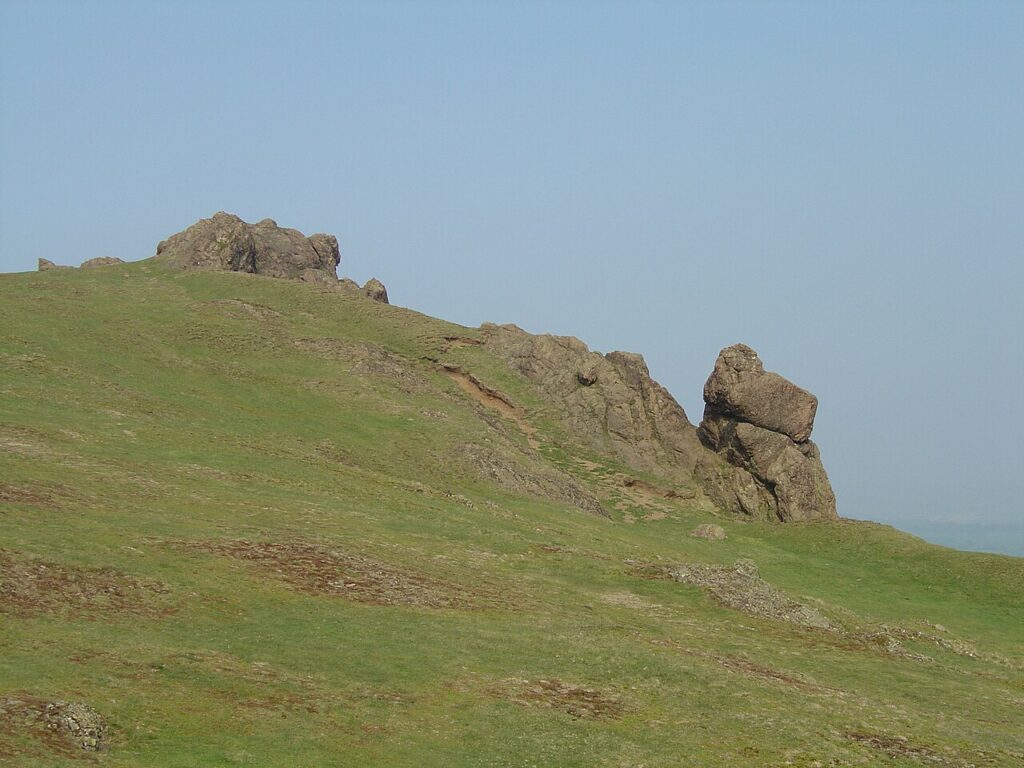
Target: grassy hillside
(241,519)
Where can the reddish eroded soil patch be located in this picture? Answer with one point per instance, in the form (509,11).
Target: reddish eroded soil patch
(575,700)
(492,399)
(29,587)
(321,571)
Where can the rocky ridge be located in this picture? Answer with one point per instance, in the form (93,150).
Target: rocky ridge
(752,453)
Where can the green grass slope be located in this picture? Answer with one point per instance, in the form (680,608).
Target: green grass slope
(238,520)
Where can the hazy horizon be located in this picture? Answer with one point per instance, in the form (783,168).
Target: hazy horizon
(837,185)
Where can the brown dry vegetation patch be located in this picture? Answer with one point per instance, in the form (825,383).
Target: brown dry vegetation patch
(239,308)
(751,668)
(320,570)
(576,700)
(455,342)
(367,359)
(29,586)
(35,495)
(899,747)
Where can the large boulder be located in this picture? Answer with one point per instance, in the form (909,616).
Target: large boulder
(374,289)
(101,261)
(740,387)
(226,242)
(760,423)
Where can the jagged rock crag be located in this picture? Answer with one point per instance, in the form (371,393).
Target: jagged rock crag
(225,242)
(761,424)
(752,454)
(608,403)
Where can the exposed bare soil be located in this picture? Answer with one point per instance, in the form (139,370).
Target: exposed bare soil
(900,747)
(492,399)
(575,700)
(751,668)
(367,359)
(319,570)
(27,494)
(29,587)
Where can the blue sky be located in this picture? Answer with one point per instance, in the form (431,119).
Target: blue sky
(839,185)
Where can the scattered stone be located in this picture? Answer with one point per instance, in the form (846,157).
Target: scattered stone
(78,722)
(741,588)
(102,261)
(709,531)
(374,289)
(226,242)
(519,474)
(761,424)
(45,265)
(75,724)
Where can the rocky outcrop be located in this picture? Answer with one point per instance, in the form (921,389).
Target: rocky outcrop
(102,261)
(225,242)
(374,289)
(608,403)
(752,453)
(760,423)
(45,265)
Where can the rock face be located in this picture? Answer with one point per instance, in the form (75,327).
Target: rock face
(226,242)
(609,402)
(760,423)
(102,261)
(374,289)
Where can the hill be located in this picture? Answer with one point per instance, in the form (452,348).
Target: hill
(251,521)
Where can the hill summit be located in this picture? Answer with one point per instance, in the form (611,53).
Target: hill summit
(751,455)
(250,516)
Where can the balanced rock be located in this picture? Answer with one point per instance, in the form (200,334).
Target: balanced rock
(760,423)
(740,387)
(375,290)
(226,242)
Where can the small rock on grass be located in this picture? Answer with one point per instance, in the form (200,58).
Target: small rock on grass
(709,531)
